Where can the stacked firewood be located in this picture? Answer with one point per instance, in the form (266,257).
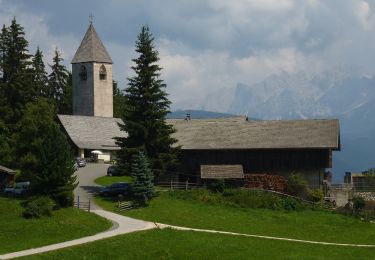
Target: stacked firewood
(266,181)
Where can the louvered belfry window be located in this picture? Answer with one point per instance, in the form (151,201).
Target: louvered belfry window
(102,73)
(83,73)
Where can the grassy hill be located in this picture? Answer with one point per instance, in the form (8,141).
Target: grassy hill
(209,213)
(179,208)
(17,233)
(172,244)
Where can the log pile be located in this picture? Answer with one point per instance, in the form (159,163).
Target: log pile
(266,182)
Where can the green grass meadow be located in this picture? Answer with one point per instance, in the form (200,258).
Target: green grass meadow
(17,233)
(172,244)
(317,225)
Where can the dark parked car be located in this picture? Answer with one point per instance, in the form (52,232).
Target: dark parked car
(115,189)
(19,189)
(112,171)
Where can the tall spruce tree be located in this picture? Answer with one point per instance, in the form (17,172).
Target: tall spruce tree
(142,186)
(39,75)
(146,106)
(118,101)
(66,102)
(16,88)
(58,79)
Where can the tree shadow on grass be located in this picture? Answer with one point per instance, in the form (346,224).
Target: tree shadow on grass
(91,190)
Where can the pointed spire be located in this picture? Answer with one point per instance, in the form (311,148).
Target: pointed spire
(91,49)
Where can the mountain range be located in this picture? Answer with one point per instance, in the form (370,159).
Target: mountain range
(300,96)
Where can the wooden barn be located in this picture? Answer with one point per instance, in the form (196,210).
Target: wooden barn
(256,147)
(6,177)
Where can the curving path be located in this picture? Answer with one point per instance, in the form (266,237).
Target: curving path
(86,189)
(86,176)
(124,225)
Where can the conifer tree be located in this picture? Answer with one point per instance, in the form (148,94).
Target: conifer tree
(118,101)
(146,106)
(58,79)
(66,102)
(16,88)
(44,155)
(142,186)
(39,74)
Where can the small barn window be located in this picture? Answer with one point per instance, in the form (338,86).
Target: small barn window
(102,73)
(83,73)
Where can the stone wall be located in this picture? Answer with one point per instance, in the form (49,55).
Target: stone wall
(368,196)
(340,196)
(93,96)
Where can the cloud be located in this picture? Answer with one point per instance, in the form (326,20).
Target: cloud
(209,45)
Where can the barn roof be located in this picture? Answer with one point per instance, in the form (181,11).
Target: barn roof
(6,170)
(89,132)
(234,171)
(91,49)
(237,133)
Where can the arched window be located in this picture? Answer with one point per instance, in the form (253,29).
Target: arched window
(102,73)
(83,73)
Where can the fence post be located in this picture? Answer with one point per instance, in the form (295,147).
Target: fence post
(77,201)
(89,204)
(186,185)
(171,184)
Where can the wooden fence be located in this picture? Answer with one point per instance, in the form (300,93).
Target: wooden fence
(124,205)
(178,185)
(84,205)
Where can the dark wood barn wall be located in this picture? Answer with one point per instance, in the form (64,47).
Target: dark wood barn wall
(258,161)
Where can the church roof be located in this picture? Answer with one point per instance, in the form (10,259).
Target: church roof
(92,132)
(91,49)
(237,133)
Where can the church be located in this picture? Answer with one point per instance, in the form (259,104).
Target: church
(210,148)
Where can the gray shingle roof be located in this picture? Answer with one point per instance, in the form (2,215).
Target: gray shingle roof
(91,49)
(89,132)
(7,170)
(237,133)
(227,133)
(234,171)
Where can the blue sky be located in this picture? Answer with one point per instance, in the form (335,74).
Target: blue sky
(208,45)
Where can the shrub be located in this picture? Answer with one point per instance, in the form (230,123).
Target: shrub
(316,195)
(243,198)
(290,204)
(252,199)
(358,203)
(64,199)
(297,186)
(38,207)
(216,185)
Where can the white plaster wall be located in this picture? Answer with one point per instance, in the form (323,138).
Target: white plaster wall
(105,156)
(103,91)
